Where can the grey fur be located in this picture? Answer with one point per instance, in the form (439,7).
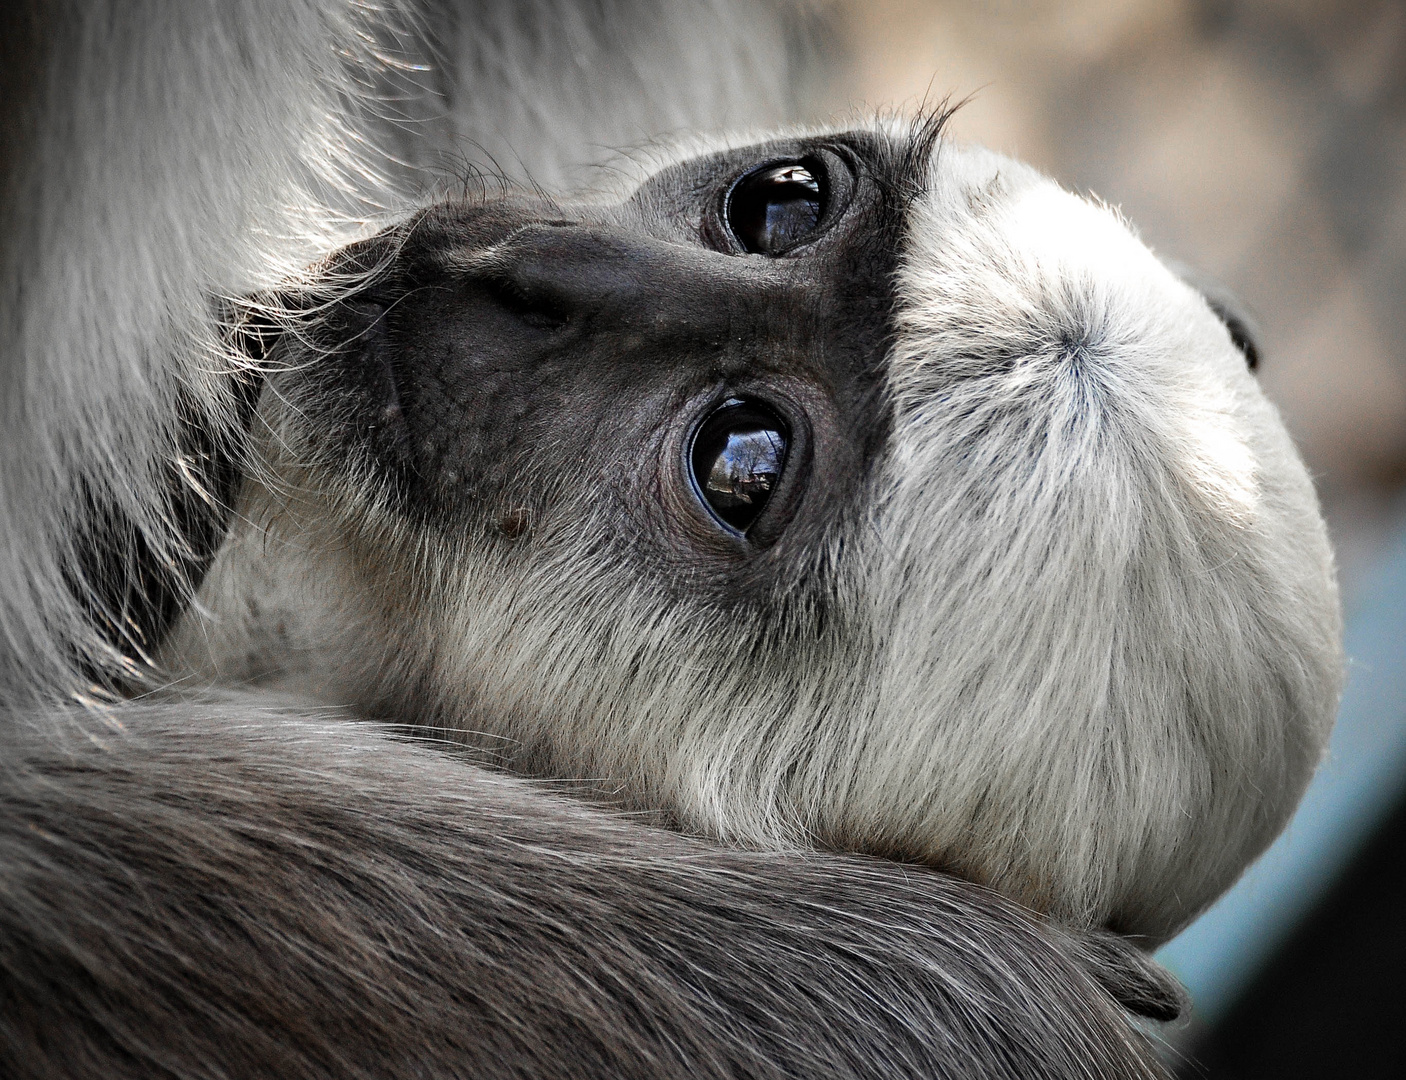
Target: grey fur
(1060,610)
(228,890)
(231,887)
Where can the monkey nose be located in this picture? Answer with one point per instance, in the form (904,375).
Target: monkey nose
(615,280)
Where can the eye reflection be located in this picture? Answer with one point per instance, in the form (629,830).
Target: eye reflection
(737,459)
(776,208)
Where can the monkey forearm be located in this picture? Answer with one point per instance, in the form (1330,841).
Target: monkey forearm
(242,890)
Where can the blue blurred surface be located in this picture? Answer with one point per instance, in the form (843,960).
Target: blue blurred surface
(1362,778)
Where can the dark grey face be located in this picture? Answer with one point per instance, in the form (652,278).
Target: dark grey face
(698,370)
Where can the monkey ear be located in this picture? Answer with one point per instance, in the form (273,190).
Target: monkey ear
(1130,976)
(252,334)
(254,328)
(1240,324)
(328,301)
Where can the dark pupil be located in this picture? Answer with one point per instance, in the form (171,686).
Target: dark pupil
(775,208)
(738,455)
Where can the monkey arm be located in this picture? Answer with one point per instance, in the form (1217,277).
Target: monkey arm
(240,890)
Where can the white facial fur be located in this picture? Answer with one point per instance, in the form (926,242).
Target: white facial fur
(1087,649)
(1109,601)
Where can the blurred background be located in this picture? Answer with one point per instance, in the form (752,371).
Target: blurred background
(1264,143)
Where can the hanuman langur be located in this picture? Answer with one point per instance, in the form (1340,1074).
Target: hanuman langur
(847,500)
(855,490)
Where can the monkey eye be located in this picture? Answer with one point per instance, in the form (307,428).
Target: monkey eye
(737,457)
(776,207)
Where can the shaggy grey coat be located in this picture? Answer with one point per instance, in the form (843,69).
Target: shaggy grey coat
(1093,673)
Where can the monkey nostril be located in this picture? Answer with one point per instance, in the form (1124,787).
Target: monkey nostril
(533,305)
(737,458)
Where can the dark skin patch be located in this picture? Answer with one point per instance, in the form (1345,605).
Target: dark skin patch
(521,369)
(515,523)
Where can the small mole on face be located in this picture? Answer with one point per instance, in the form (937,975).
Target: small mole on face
(514,523)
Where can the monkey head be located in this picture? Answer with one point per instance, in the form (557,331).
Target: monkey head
(855,490)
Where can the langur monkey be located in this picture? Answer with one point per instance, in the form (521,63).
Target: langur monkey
(844,500)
